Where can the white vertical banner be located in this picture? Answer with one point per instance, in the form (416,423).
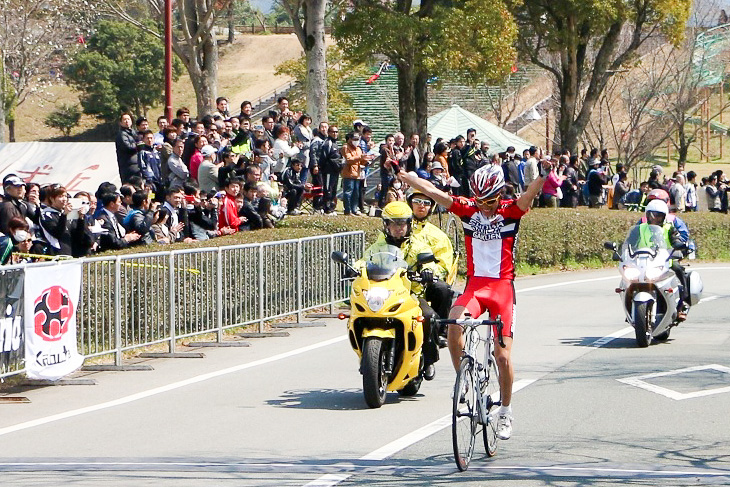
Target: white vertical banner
(51,300)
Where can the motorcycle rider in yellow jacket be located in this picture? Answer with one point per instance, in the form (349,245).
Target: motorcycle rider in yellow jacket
(397,231)
(439,294)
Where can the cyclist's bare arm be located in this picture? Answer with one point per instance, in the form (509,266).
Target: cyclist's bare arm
(426,188)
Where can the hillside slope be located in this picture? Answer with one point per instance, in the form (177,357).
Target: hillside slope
(246,71)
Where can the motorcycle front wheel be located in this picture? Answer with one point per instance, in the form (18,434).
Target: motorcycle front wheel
(642,324)
(374,378)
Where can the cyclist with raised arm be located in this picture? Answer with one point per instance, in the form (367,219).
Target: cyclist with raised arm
(490,229)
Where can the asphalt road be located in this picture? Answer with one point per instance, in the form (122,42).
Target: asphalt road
(289,411)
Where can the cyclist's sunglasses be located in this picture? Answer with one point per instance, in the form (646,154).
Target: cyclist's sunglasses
(419,201)
(489,201)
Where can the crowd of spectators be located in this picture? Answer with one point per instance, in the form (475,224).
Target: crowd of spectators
(221,174)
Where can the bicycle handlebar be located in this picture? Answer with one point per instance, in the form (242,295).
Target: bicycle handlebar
(469,321)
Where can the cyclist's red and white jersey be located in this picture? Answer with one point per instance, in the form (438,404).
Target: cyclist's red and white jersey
(490,242)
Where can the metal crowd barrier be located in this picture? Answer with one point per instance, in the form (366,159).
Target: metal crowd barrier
(137,300)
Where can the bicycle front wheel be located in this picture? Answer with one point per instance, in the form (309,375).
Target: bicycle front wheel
(493,402)
(464,414)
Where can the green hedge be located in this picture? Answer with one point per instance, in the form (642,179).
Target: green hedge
(561,238)
(565,237)
(549,238)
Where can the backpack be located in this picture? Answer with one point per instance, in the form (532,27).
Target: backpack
(128,217)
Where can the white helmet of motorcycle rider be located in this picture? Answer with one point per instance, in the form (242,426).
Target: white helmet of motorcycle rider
(656,212)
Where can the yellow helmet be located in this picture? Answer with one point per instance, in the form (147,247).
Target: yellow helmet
(397,212)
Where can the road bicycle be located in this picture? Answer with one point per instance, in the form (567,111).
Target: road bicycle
(477,396)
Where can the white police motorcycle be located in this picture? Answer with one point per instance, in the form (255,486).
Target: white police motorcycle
(649,288)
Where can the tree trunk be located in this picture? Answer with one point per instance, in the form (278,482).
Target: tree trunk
(11,130)
(231,23)
(202,66)
(421,103)
(406,99)
(315,51)
(200,56)
(682,147)
(2,118)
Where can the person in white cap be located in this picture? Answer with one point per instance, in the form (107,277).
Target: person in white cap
(208,170)
(13,204)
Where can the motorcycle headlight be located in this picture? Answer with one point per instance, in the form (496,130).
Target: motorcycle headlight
(630,273)
(653,273)
(376,298)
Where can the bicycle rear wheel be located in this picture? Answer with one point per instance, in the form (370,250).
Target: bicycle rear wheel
(493,401)
(464,414)
(452,231)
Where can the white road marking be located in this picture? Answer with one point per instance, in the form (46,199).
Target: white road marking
(609,338)
(168,387)
(596,279)
(708,298)
(568,283)
(351,468)
(639,381)
(402,443)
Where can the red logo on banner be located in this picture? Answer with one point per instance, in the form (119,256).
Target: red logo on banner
(52,311)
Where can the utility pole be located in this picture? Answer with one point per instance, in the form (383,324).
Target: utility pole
(168,60)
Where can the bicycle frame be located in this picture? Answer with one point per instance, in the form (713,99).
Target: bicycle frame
(471,345)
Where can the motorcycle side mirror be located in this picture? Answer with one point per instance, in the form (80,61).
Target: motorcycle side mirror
(425,258)
(609,246)
(339,257)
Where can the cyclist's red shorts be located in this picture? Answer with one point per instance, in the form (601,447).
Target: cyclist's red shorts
(494,295)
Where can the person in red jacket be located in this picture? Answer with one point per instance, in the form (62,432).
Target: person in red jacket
(228,218)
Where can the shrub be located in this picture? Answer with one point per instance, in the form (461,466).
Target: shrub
(65,118)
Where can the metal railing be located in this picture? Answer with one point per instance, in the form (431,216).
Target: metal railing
(138,300)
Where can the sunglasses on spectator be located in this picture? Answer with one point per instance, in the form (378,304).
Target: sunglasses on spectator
(419,201)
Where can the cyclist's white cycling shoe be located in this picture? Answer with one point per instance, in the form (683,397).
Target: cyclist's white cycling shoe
(504,426)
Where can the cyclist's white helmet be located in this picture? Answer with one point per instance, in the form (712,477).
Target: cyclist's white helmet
(487,181)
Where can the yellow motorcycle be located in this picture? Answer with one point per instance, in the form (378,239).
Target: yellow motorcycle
(385,323)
